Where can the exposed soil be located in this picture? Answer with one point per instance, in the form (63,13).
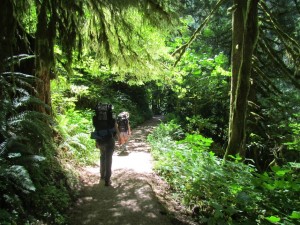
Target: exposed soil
(137,196)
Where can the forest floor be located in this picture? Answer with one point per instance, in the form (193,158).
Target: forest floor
(137,196)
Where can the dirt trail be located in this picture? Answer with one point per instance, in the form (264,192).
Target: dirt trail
(136,194)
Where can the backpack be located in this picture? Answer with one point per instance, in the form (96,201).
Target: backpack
(103,122)
(123,121)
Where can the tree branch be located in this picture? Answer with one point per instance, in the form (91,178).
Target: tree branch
(181,50)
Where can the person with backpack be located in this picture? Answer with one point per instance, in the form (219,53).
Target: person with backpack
(124,130)
(105,131)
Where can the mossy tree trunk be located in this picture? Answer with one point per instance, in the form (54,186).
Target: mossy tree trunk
(45,35)
(244,39)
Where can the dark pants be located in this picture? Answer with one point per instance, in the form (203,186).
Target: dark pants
(106,151)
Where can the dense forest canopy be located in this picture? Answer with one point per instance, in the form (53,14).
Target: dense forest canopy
(227,70)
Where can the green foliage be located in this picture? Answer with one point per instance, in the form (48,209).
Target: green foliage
(218,193)
(61,97)
(202,95)
(74,141)
(196,124)
(54,199)
(295,126)
(121,45)
(19,126)
(274,132)
(170,129)
(25,151)
(201,102)
(73,102)
(132,43)
(280,188)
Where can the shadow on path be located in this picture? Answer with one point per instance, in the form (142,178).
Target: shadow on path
(136,194)
(130,200)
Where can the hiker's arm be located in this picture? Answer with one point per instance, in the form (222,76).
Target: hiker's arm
(129,129)
(117,130)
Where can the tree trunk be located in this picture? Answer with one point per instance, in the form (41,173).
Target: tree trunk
(244,38)
(45,36)
(7,32)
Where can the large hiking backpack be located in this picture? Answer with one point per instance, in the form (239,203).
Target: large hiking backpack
(123,121)
(103,122)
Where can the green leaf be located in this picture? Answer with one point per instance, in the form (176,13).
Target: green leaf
(269,186)
(273,219)
(280,171)
(275,168)
(295,215)
(21,178)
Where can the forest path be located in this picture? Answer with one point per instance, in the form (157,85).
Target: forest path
(137,195)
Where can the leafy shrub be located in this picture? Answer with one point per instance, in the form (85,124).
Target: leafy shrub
(171,129)
(218,192)
(280,189)
(196,124)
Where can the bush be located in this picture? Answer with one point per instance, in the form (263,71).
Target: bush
(223,193)
(73,140)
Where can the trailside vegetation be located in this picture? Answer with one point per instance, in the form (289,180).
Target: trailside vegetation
(225,74)
(258,182)
(218,193)
(51,51)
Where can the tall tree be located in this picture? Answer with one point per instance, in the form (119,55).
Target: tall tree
(114,31)
(244,39)
(44,45)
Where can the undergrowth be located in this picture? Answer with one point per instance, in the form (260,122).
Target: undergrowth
(32,182)
(73,137)
(73,108)
(218,192)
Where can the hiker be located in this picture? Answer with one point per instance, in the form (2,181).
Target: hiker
(105,131)
(124,130)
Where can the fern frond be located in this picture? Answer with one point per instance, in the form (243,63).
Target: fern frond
(18,75)
(19,80)
(37,130)
(3,147)
(20,178)
(22,84)
(29,115)
(18,144)
(25,159)
(74,142)
(30,128)
(22,91)
(17,59)
(26,101)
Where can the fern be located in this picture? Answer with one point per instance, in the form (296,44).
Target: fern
(74,137)
(20,178)
(24,133)
(3,147)
(74,143)
(16,59)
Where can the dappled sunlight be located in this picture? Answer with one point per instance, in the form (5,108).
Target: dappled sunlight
(137,161)
(130,200)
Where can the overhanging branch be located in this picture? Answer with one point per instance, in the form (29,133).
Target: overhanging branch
(182,49)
